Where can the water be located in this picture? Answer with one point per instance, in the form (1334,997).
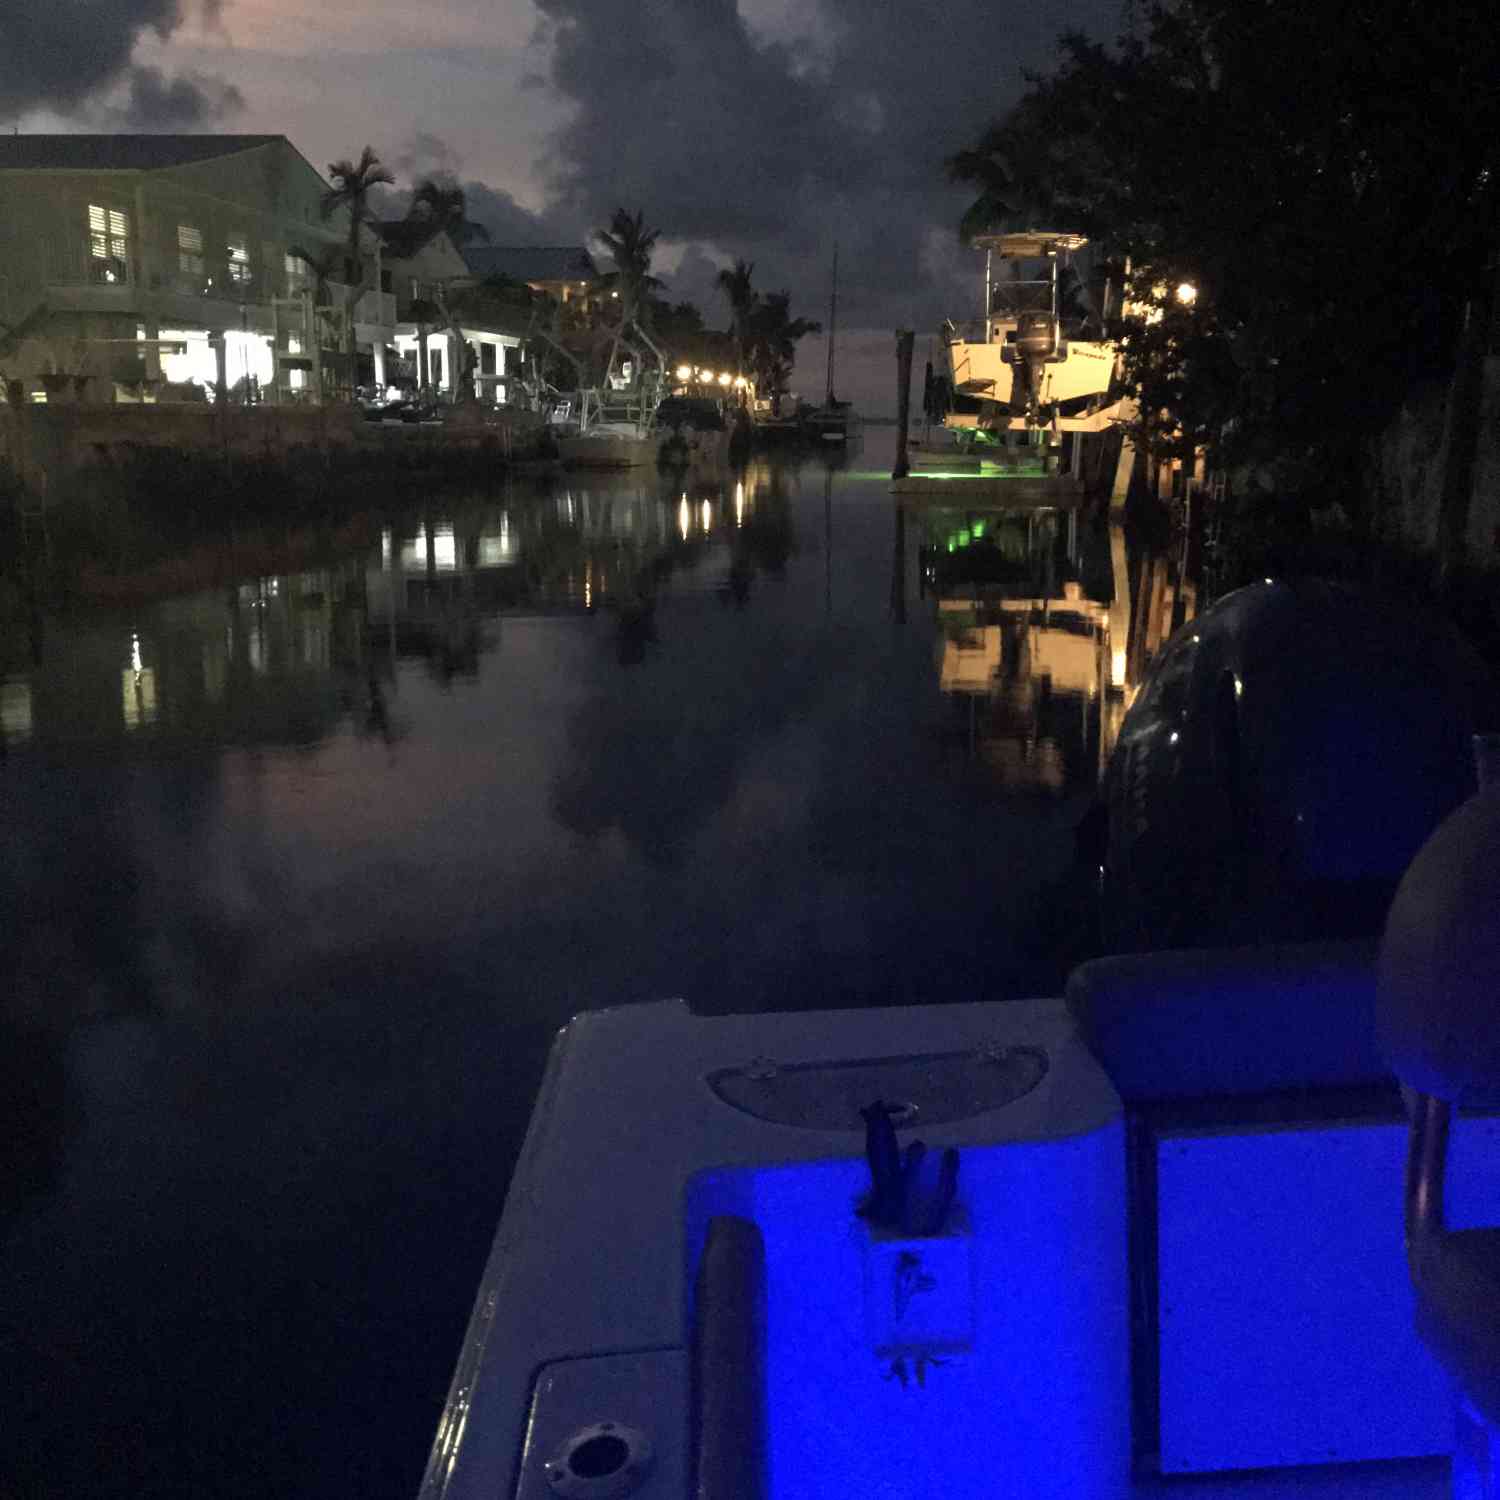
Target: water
(300,876)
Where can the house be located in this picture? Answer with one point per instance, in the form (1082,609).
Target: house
(142,267)
(566,272)
(470,338)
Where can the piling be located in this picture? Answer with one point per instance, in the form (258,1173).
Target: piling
(905,338)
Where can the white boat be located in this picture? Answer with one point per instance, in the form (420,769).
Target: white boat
(615,427)
(618,435)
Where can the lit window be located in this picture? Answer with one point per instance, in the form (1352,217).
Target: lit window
(109,244)
(296,274)
(190,252)
(239,262)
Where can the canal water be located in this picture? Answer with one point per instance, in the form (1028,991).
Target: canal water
(299,877)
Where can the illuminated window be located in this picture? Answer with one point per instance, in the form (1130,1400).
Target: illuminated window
(238,252)
(297,278)
(109,244)
(190,252)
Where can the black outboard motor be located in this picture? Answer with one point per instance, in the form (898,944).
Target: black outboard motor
(1035,337)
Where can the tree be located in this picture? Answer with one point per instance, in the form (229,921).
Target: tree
(773,335)
(741,294)
(1323,176)
(630,245)
(438,206)
(441,207)
(353,183)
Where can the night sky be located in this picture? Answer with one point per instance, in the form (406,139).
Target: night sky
(765,128)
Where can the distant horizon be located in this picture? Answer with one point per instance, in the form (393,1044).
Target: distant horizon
(864,369)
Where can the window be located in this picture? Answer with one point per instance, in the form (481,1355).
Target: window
(190,253)
(239,262)
(269,260)
(109,244)
(298,277)
(487,359)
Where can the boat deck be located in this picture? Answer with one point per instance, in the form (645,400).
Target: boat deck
(655,1124)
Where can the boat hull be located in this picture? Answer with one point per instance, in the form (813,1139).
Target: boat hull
(606,451)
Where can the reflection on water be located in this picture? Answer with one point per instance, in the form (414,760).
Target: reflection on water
(299,877)
(1024,644)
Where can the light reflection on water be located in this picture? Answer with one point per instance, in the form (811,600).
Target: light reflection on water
(301,874)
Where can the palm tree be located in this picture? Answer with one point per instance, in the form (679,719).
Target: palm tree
(441,207)
(773,337)
(735,284)
(353,182)
(630,245)
(437,206)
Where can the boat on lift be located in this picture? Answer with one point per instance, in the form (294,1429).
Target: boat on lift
(614,426)
(1036,359)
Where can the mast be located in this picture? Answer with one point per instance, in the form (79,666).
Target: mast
(833,323)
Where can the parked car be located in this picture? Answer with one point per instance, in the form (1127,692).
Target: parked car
(1288,754)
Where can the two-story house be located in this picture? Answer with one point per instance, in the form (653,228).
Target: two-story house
(158,266)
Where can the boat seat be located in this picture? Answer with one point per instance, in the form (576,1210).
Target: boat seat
(1210,1022)
(1438,1012)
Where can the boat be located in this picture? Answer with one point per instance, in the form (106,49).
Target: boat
(1138,1240)
(614,426)
(1132,1273)
(1036,358)
(834,421)
(693,430)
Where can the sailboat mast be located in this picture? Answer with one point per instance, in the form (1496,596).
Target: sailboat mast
(833,322)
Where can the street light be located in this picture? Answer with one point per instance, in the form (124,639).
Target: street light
(1187,293)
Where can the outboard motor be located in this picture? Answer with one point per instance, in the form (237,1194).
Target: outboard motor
(1035,338)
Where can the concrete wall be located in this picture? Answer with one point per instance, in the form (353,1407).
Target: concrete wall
(49,446)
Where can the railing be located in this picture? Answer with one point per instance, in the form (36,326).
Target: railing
(72,263)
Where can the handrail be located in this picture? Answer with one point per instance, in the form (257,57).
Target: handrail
(1426,1166)
(729,1357)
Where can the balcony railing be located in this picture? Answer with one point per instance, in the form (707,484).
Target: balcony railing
(73,263)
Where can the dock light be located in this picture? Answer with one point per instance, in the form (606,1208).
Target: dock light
(684,372)
(725,378)
(1187,293)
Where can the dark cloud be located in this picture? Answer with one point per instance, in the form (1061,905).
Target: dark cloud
(772,151)
(508,222)
(695,280)
(156,102)
(59,54)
